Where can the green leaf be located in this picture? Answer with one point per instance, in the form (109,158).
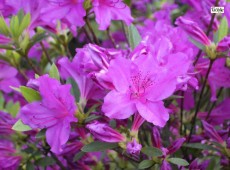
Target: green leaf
(12,108)
(151,151)
(75,89)
(133,36)
(178,161)
(19,126)
(78,156)
(41,134)
(98,146)
(223,29)
(3,27)
(7,47)
(30,166)
(54,73)
(14,27)
(1,101)
(91,118)
(24,24)
(197,44)
(199,146)
(145,164)
(38,37)
(127,2)
(47,161)
(30,94)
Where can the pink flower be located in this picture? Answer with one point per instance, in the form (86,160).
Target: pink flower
(142,84)
(107,10)
(55,112)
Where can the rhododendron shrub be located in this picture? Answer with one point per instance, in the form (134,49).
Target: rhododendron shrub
(114,84)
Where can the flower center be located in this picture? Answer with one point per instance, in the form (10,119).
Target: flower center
(139,84)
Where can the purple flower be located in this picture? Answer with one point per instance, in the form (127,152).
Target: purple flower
(165,165)
(6,123)
(193,30)
(175,145)
(224,45)
(7,158)
(219,76)
(36,10)
(211,132)
(141,85)
(70,12)
(107,10)
(4,40)
(55,112)
(88,89)
(156,138)
(137,122)
(133,147)
(104,133)
(7,77)
(218,115)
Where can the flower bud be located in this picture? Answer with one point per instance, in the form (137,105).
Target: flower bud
(156,139)
(211,132)
(104,133)
(193,30)
(224,45)
(133,147)
(175,146)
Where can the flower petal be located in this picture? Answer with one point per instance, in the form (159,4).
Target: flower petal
(153,112)
(58,135)
(118,105)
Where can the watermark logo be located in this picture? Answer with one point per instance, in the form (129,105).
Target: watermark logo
(217,10)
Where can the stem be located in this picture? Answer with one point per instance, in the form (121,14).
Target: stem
(87,34)
(46,53)
(214,103)
(199,100)
(57,161)
(32,65)
(110,37)
(181,113)
(125,32)
(91,30)
(19,70)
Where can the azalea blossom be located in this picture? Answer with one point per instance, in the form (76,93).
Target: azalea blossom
(107,10)
(54,112)
(141,85)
